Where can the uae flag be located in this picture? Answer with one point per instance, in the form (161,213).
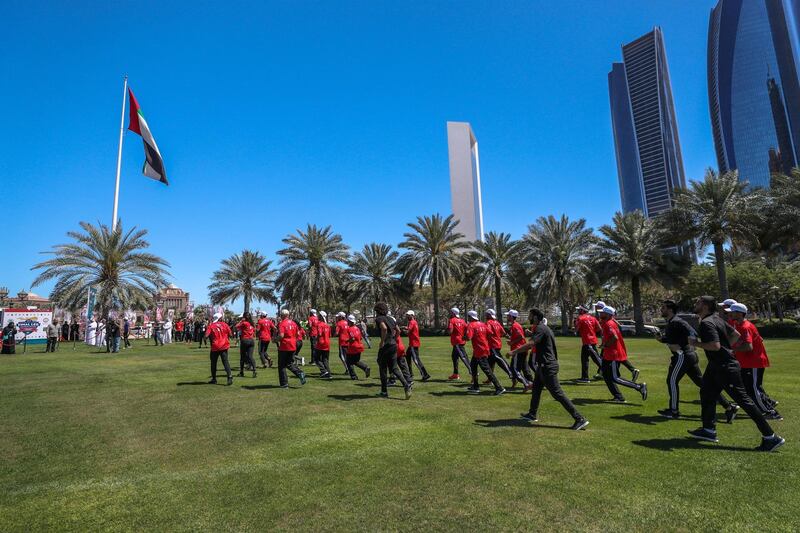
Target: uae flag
(153,164)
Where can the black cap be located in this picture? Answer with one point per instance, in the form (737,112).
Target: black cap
(710,302)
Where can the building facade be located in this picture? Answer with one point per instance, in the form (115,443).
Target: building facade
(753,89)
(465,180)
(172,298)
(648,151)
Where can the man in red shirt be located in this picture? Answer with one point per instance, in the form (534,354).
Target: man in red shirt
(519,361)
(752,357)
(179,330)
(219,333)
(588,327)
(457,329)
(626,363)
(341,333)
(264,327)
(247,335)
(478,332)
(287,344)
(494,334)
(312,333)
(355,347)
(613,353)
(412,330)
(322,346)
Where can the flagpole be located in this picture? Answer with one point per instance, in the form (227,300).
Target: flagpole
(119,155)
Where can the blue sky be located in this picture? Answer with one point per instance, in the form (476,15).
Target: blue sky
(271,115)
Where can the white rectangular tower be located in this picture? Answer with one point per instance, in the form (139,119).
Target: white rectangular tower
(465,180)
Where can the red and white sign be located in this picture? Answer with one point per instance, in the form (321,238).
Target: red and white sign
(30,322)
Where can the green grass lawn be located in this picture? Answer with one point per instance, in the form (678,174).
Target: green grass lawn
(137,441)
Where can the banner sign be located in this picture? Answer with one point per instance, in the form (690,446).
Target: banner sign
(90,303)
(31,323)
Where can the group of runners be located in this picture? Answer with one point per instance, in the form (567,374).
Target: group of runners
(735,351)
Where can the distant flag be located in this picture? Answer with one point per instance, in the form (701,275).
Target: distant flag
(153,165)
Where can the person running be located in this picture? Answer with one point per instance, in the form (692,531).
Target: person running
(219,332)
(723,372)
(301,335)
(543,341)
(626,363)
(495,332)
(247,335)
(684,361)
(341,333)
(478,333)
(322,346)
(387,351)
(752,357)
(457,329)
(355,347)
(362,325)
(312,333)
(264,328)
(614,352)
(588,328)
(519,361)
(287,345)
(412,331)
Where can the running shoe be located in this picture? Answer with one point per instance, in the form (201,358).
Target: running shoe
(704,434)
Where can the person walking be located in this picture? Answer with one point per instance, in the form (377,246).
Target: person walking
(126,332)
(313,319)
(362,325)
(179,326)
(457,328)
(519,361)
(478,333)
(588,327)
(9,339)
(598,307)
(323,346)
(200,328)
(723,372)
(341,333)
(543,341)
(752,357)
(412,331)
(247,334)
(614,352)
(684,361)
(65,331)
(52,331)
(114,333)
(219,332)
(265,328)
(355,347)
(158,330)
(387,351)
(287,345)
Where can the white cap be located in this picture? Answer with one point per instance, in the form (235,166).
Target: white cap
(513,313)
(608,310)
(472,314)
(217,316)
(263,313)
(727,303)
(600,304)
(410,312)
(340,313)
(544,321)
(738,308)
(313,311)
(351,318)
(455,311)
(491,313)
(324,314)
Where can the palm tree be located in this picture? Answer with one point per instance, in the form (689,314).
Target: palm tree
(373,271)
(491,262)
(632,250)
(111,262)
(433,253)
(247,275)
(716,211)
(556,252)
(309,272)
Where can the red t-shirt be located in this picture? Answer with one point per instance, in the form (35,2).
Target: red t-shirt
(413,333)
(179,325)
(401,348)
(301,333)
(613,348)
(354,344)
(246,330)
(219,332)
(495,334)
(587,326)
(264,327)
(323,336)
(517,336)
(312,325)
(341,332)
(288,329)
(478,332)
(457,327)
(757,357)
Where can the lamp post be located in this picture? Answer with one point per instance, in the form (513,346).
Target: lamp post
(22,295)
(774,291)
(3,295)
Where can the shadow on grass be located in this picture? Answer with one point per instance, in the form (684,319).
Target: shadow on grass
(595,401)
(644,419)
(686,443)
(350,397)
(264,387)
(515,422)
(441,394)
(182,383)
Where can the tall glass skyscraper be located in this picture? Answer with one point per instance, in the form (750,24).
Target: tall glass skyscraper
(649,161)
(753,89)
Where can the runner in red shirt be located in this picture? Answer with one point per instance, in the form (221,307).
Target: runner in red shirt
(179,326)
(219,333)
(613,352)
(402,363)
(495,333)
(264,327)
(588,327)
(287,344)
(322,346)
(519,361)
(412,330)
(247,335)
(355,347)
(312,333)
(457,329)
(752,357)
(626,363)
(341,333)
(478,332)
(301,335)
